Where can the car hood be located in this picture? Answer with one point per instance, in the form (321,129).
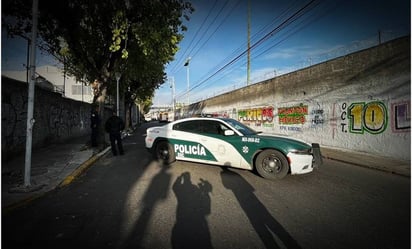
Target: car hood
(282,138)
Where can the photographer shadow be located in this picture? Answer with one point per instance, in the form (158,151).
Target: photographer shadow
(191,229)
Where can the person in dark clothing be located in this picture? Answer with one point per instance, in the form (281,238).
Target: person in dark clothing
(114,125)
(94,125)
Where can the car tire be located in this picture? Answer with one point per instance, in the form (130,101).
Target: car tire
(272,164)
(164,152)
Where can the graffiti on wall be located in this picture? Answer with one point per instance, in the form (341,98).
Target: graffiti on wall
(317,118)
(401,116)
(63,120)
(292,115)
(290,128)
(56,118)
(359,117)
(259,116)
(14,121)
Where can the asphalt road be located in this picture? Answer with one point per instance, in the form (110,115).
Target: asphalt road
(131,201)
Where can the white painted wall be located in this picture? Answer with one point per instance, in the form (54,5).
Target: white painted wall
(360,102)
(71,88)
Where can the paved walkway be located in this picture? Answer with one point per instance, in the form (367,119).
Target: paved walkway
(50,166)
(57,165)
(398,167)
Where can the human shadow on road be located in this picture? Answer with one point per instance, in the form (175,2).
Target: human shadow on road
(156,192)
(191,229)
(270,231)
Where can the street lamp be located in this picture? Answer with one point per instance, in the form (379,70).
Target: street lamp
(187,75)
(172,85)
(118,75)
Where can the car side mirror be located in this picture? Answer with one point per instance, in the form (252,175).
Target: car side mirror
(229,133)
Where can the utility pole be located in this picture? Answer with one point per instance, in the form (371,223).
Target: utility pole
(64,76)
(28,60)
(118,75)
(187,76)
(379,37)
(30,103)
(172,85)
(248,43)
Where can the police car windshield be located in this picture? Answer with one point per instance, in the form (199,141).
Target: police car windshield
(245,130)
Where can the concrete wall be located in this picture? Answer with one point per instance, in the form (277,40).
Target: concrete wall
(57,118)
(359,102)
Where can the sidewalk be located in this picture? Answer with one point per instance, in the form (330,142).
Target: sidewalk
(51,167)
(57,165)
(393,166)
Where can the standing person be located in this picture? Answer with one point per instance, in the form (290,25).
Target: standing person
(94,125)
(114,125)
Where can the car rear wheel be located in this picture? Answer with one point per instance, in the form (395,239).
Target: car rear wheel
(272,164)
(164,152)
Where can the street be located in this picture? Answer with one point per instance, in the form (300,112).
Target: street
(132,201)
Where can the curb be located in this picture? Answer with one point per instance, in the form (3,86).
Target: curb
(82,168)
(67,180)
(21,203)
(70,178)
(89,162)
(400,171)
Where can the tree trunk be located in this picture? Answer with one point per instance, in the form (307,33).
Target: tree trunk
(100,92)
(102,132)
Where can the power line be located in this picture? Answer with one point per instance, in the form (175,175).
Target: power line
(286,22)
(263,30)
(233,53)
(297,28)
(179,63)
(217,27)
(253,46)
(194,38)
(210,25)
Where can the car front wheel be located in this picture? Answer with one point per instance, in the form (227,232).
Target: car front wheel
(272,164)
(164,151)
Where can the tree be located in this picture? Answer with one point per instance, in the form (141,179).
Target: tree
(99,38)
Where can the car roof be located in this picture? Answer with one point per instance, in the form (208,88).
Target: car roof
(200,118)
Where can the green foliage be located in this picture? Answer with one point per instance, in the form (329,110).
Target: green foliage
(146,104)
(120,28)
(98,38)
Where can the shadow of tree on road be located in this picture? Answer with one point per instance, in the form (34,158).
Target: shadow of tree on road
(270,231)
(191,229)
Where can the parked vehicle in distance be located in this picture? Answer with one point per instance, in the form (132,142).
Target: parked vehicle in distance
(227,142)
(164,117)
(148,117)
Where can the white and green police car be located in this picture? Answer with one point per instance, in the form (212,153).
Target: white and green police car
(227,142)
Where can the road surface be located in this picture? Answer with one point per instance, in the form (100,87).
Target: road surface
(132,201)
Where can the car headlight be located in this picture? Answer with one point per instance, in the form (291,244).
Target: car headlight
(302,152)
